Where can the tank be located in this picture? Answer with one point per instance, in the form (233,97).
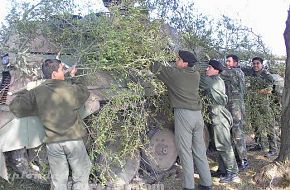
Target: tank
(155,160)
(161,152)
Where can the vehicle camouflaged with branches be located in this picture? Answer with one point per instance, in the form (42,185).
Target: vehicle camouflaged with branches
(113,52)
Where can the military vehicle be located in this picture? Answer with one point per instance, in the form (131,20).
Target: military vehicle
(155,162)
(163,150)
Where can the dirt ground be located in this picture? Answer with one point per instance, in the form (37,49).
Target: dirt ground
(257,161)
(173,182)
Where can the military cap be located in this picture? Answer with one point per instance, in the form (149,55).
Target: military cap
(216,65)
(187,56)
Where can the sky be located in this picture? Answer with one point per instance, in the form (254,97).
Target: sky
(266,17)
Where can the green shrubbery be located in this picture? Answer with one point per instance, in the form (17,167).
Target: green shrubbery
(125,43)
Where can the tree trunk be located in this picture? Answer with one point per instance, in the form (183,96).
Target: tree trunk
(284,154)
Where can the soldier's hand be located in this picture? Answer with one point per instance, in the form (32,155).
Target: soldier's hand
(73,71)
(264,91)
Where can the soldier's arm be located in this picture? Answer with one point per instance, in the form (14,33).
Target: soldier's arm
(265,91)
(204,82)
(24,104)
(81,91)
(247,70)
(155,67)
(270,82)
(227,74)
(164,71)
(78,88)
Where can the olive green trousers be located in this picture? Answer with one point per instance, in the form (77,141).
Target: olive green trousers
(191,148)
(65,155)
(222,123)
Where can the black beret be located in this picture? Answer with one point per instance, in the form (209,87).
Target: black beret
(216,65)
(187,56)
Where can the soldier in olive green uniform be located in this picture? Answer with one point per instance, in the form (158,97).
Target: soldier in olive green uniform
(234,80)
(182,82)
(221,121)
(56,103)
(262,119)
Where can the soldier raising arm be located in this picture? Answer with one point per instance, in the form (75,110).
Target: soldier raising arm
(182,82)
(56,103)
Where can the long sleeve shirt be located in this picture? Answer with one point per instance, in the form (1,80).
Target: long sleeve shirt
(215,89)
(182,84)
(56,103)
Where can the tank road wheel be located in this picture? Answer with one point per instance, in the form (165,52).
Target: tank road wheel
(160,154)
(121,175)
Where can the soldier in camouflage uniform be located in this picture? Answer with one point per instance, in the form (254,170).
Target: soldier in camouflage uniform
(235,89)
(261,87)
(222,121)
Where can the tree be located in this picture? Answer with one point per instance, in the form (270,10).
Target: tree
(284,154)
(234,37)
(214,38)
(278,172)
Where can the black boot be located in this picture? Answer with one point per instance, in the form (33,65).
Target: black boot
(257,147)
(271,154)
(243,164)
(230,177)
(202,187)
(217,173)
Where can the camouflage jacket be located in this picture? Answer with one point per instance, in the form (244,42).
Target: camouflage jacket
(234,79)
(260,79)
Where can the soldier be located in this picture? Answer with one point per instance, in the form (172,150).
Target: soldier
(235,89)
(56,103)
(222,121)
(182,82)
(261,86)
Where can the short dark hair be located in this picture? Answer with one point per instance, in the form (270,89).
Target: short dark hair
(258,59)
(235,58)
(49,66)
